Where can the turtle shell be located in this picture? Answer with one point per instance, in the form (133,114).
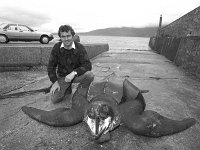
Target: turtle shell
(112,87)
(107,93)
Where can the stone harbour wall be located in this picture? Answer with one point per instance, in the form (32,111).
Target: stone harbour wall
(174,41)
(27,56)
(184,52)
(188,55)
(184,25)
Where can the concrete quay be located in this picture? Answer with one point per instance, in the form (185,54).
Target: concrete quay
(172,93)
(23,56)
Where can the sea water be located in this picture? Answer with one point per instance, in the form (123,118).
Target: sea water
(118,42)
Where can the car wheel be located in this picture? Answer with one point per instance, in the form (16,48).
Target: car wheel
(44,40)
(3,39)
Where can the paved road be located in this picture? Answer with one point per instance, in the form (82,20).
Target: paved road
(173,94)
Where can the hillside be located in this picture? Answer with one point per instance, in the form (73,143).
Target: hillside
(124,31)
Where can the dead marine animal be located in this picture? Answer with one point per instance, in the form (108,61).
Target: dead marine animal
(111,105)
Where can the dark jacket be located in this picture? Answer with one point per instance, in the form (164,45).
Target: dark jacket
(63,61)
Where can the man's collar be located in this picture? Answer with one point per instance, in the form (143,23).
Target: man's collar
(73,45)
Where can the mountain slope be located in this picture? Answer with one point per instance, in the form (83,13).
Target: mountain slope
(124,31)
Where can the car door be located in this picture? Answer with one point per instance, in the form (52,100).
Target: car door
(11,31)
(24,33)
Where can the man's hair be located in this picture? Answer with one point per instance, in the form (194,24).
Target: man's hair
(66,28)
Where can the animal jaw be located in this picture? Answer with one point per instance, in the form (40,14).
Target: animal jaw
(98,126)
(99,118)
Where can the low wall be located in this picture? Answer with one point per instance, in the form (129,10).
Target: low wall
(184,52)
(13,57)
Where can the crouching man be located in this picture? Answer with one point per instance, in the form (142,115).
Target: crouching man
(68,63)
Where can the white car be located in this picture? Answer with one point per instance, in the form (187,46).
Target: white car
(19,32)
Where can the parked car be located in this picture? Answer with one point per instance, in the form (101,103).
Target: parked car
(19,32)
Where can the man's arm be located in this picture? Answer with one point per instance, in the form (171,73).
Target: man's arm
(85,62)
(51,69)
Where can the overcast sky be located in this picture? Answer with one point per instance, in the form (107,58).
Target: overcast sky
(87,15)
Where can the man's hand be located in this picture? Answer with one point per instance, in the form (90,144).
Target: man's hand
(70,76)
(54,87)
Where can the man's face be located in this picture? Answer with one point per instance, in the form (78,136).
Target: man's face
(66,38)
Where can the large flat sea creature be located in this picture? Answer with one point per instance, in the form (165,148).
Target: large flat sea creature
(110,105)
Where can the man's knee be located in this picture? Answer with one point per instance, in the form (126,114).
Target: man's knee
(89,75)
(56,99)
(86,78)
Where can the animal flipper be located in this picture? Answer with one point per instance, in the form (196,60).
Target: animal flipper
(132,93)
(152,124)
(62,116)
(59,117)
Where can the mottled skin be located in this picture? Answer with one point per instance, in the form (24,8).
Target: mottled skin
(110,105)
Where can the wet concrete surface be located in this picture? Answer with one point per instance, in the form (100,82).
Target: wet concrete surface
(172,93)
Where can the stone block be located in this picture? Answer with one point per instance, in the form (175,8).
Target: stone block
(19,56)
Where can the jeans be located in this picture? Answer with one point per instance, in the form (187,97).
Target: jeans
(58,96)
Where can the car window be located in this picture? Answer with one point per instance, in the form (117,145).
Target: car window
(2,25)
(23,28)
(12,27)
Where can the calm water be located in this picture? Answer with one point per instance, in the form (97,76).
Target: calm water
(116,42)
